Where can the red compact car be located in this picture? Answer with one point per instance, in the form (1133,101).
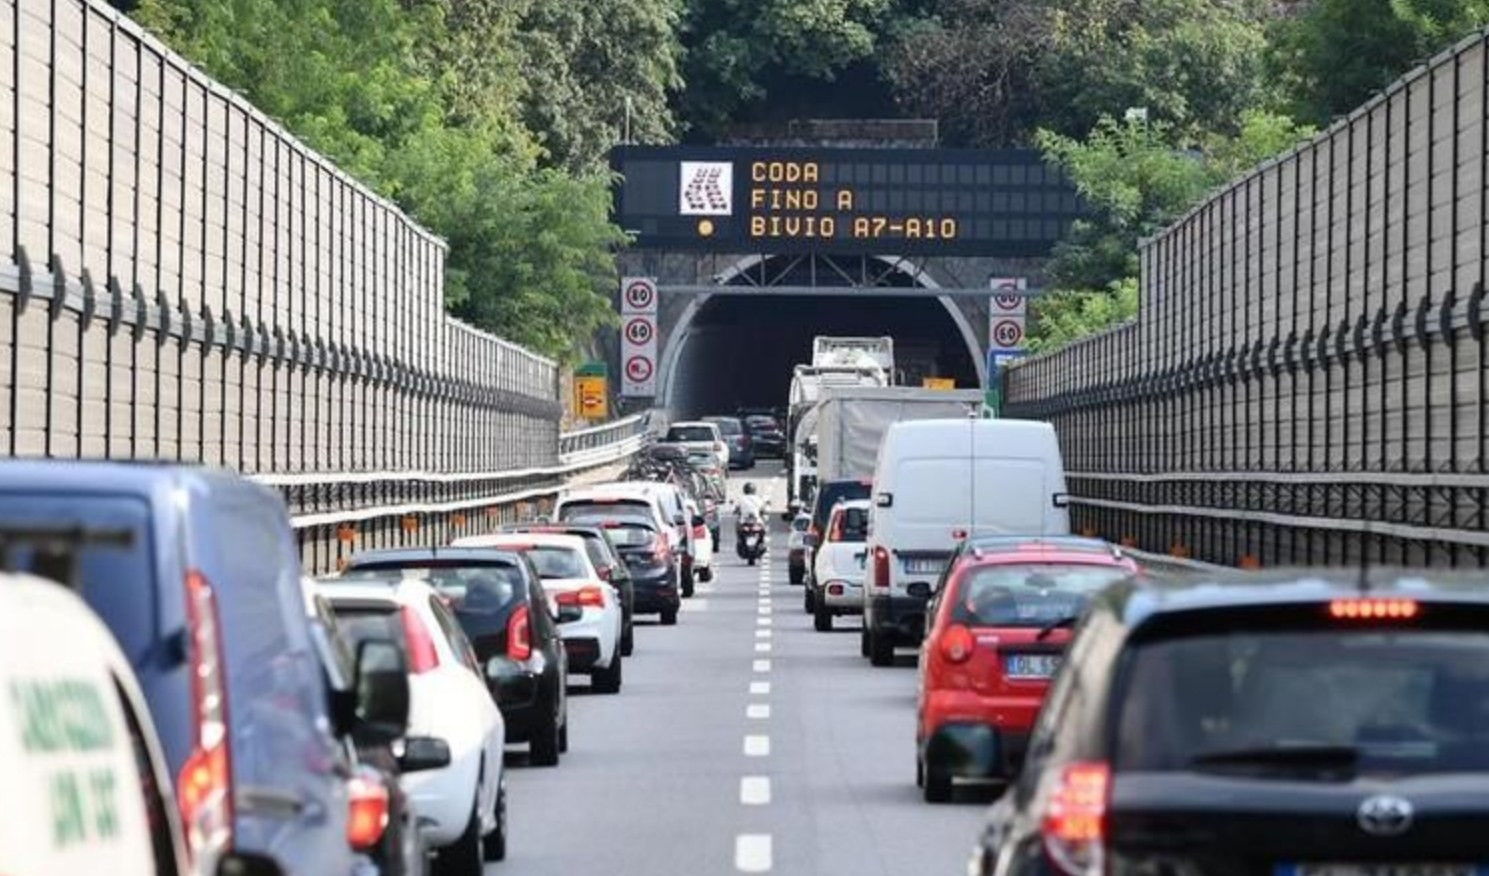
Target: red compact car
(996,630)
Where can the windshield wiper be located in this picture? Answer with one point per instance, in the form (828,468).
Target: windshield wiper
(1296,756)
(1056,624)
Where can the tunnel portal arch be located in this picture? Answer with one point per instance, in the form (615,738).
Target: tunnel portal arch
(688,361)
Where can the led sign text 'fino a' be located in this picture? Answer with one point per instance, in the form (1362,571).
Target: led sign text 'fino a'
(788,201)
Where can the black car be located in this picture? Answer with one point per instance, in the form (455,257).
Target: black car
(498,598)
(607,563)
(741,446)
(1262,723)
(656,569)
(768,437)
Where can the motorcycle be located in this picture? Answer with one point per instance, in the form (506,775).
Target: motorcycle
(751,545)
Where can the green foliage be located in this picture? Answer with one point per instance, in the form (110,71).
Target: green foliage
(1137,177)
(1336,53)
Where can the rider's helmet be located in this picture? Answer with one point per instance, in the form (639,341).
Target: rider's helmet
(749,489)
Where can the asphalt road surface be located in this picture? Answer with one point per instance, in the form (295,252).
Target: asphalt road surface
(742,742)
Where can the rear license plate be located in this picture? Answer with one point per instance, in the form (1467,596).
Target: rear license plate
(1031,665)
(1379,870)
(921,566)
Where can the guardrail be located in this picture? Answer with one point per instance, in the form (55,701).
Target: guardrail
(574,445)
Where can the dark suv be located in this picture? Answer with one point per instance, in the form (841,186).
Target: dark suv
(498,598)
(1270,723)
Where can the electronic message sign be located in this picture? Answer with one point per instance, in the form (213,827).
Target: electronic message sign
(837,200)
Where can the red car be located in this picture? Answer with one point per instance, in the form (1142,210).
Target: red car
(996,632)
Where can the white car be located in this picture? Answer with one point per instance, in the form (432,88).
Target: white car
(699,435)
(702,542)
(593,640)
(838,568)
(463,804)
(72,721)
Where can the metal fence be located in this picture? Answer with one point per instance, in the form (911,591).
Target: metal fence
(1305,382)
(185,281)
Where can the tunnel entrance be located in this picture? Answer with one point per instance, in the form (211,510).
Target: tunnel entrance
(737,347)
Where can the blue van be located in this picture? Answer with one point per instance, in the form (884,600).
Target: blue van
(199,580)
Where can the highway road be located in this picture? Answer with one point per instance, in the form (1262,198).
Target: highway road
(743,741)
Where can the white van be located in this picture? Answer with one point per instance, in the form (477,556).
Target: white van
(86,786)
(937,482)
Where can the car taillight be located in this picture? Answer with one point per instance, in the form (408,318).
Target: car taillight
(367,811)
(203,788)
(584,596)
(519,634)
(1373,609)
(422,655)
(1074,828)
(881,568)
(957,644)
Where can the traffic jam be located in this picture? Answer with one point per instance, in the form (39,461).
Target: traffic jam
(180,698)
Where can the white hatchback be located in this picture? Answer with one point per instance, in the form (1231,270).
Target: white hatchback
(838,567)
(451,714)
(570,579)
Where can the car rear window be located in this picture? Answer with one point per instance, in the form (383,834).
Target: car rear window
(1028,594)
(851,524)
(834,492)
(600,512)
(728,427)
(486,587)
(1364,700)
(630,536)
(363,623)
(690,433)
(117,582)
(556,562)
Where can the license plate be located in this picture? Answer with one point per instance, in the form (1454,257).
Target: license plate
(1380,870)
(920,566)
(1031,665)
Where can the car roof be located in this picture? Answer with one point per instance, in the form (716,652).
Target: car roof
(1141,599)
(537,539)
(411,554)
(691,423)
(582,530)
(406,587)
(850,503)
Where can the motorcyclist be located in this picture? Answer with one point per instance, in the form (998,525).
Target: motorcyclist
(749,509)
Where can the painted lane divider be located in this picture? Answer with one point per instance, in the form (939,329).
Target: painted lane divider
(752,853)
(757,746)
(754,790)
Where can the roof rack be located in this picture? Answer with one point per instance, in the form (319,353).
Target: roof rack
(55,550)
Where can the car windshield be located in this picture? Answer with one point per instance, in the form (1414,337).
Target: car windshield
(553,561)
(1396,701)
(1028,594)
(689,433)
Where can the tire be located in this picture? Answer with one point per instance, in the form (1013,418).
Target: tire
(463,857)
(669,617)
(919,772)
(796,575)
(494,844)
(750,561)
(547,743)
(686,588)
(822,617)
(608,680)
(563,738)
(705,574)
(881,650)
(628,642)
(937,785)
(808,602)
(863,643)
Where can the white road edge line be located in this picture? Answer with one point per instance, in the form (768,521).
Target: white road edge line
(754,790)
(752,853)
(757,746)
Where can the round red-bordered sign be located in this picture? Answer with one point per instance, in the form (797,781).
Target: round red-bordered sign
(639,368)
(1007,302)
(1007,333)
(639,330)
(640,295)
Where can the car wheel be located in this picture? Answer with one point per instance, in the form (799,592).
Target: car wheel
(546,744)
(705,574)
(919,772)
(796,575)
(881,650)
(822,617)
(628,641)
(863,643)
(687,583)
(563,738)
(808,604)
(607,680)
(494,844)
(937,785)
(463,857)
(669,617)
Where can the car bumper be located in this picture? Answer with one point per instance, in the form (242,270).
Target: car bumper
(900,617)
(442,798)
(521,695)
(591,641)
(848,601)
(656,594)
(975,750)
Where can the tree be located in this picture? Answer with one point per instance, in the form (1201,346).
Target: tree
(1336,53)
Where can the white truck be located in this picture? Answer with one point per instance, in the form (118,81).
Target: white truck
(808,382)
(837,352)
(851,422)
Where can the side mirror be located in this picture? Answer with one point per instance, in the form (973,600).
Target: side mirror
(424,753)
(382,691)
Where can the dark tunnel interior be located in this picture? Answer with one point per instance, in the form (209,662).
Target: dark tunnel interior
(741,348)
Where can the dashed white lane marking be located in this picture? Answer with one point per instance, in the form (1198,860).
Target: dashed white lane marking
(762,666)
(754,790)
(695,604)
(764,633)
(752,853)
(765,609)
(759,688)
(757,711)
(757,746)
(762,621)
(762,647)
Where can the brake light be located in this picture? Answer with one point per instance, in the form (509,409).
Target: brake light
(1074,826)
(203,791)
(957,644)
(584,596)
(881,568)
(519,634)
(1373,609)
(422,655)
(367,812)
